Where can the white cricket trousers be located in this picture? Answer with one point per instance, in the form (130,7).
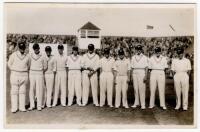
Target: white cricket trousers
(121,88)
(157,78)
(18,82)
(87,82)
(49,79)
(74,86)
(36,85)
(139,86)
(181,82)
(60,85)
(106,86)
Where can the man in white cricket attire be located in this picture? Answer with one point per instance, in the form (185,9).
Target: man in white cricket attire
(122,69)
(19,64)
(181,68)
(157,65)
(49,75)
(61,77)
(89,75)
(139,63)
(106,65)
(74,64)
(37,69)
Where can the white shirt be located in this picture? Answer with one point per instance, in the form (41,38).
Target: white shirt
(51,62)
(122,67)
(38,62)
(106,64)
(19,62)
(182,65)
(139,61)
(91,60)
(74,62)
(61,62)
(158,63)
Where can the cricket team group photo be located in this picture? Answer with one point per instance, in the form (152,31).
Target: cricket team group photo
(128,72)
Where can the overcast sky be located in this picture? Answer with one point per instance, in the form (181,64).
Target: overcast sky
(114,20)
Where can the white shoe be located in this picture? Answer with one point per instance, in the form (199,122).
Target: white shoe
(185,109)
(49,106)
(143,107)
(117,107)
(13,111)
(151,107)
(177,107)
(54,105)
(69,105)
(24,110)
(79,104)
(164,108)
(30,108)
(63,105)
(96,105)
(83,105)
(111,106)
(126,107)
(39,108)
(134,106)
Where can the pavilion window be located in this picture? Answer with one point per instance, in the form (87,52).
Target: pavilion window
(83,33)
(93,34)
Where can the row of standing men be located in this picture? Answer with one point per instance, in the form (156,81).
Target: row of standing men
(48,72)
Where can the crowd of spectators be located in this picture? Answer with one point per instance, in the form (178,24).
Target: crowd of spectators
(36,38)
(13,39)
(168,44)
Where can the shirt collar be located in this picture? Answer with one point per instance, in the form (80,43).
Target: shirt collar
(60,55)
(20,56)
(35,56)
(158,57)
(138,57)
(122,59)
(91,54)
(19,53)
(74,58)
(48,58)
(107,58)
(182,58)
